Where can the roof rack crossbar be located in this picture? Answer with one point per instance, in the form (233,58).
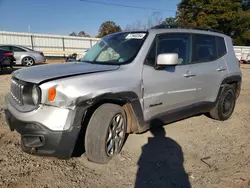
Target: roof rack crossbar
(176,26)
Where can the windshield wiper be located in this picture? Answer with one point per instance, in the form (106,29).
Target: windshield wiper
(102,63)
(91,62)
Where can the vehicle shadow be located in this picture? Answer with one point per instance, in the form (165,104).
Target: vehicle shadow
(37,64)
(7,71)
(161,162)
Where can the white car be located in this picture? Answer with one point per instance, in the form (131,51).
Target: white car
(25,56)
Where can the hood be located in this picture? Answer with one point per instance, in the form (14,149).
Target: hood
(42,73)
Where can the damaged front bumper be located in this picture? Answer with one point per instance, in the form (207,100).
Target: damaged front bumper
(46,131)
(38,140)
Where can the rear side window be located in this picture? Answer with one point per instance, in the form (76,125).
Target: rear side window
(16,49)
(221,46)
(204,48)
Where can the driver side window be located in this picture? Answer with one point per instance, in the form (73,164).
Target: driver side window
(170,43)
(175,43)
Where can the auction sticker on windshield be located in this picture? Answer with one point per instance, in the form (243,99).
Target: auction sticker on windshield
(135,36)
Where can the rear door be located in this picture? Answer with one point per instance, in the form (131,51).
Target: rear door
(18,53)
(173,87)
(209,65)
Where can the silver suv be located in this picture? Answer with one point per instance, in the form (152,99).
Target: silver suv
(126,83)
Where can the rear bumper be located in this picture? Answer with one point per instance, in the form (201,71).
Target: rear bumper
(8,61)
(39,140)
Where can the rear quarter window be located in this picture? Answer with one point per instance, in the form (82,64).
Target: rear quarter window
(16,49)
(5,48)
(222,50)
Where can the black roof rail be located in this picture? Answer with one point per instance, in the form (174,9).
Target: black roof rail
(176,26)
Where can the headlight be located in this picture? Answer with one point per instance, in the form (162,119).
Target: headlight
(35,95)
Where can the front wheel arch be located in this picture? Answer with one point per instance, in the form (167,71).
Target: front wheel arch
(129,100)
(86,108)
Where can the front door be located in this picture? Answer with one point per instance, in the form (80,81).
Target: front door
(172,87)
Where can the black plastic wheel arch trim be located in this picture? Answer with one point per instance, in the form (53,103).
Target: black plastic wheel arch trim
(234,78)
(127,97)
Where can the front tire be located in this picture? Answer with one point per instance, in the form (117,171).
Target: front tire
(105,134)
(225,104)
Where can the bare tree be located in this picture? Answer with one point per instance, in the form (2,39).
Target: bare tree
(153,20)
(156,19)
(137,25)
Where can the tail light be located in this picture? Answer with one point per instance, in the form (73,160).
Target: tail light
(7,54)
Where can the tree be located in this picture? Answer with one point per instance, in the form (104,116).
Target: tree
(228,16)
(154,19)
(241,27)
(169,20)
(138,25)
(83,34)
(215,14)
(73,34)
(246,5)
(80,34)
(108,27)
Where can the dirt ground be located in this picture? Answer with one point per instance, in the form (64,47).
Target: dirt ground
(197,152)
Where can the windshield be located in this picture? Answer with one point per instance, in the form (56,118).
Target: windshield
(118,48)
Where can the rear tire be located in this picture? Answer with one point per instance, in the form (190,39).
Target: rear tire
(28,61)
(225,104)
(105,134)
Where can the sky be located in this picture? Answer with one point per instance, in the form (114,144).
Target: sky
(65,16)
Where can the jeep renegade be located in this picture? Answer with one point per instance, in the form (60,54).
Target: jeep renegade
(126,83)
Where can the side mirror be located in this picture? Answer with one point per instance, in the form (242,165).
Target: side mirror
(167,59)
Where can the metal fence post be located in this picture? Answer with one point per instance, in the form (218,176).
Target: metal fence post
(63,46)
(32,42)
(91,43)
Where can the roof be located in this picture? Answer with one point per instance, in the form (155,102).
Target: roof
(16,45)
(176,26)
(163,28)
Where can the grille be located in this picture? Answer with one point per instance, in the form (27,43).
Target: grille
(16,90)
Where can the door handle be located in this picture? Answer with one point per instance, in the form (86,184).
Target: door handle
(189,74)
(220,69)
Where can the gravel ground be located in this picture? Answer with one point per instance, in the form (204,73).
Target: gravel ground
(197,152)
